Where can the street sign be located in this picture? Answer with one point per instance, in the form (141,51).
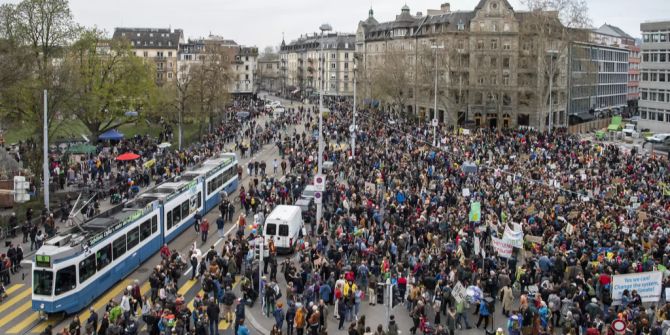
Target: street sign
(434,122)
(320,182)
(318,197)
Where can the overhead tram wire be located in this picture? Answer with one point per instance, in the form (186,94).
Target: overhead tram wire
(385,124)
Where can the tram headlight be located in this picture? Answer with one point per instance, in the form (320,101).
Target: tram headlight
(42,306)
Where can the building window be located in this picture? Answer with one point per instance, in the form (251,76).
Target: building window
(460,44)
(494,44)
(505,79)
(480,44)
(332,65)
(332,55)
(346,65)
(461,25)
(346,55)
(146,54)
(506,27)
(505,63)
(246,67)
(169,75)
(507,45)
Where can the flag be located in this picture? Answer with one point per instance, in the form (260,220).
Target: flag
(475,211)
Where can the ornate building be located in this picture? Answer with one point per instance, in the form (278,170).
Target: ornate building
(491,65)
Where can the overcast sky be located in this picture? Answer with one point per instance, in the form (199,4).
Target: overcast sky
(262,22)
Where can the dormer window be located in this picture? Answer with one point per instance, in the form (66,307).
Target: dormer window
(461,25)
(494,5)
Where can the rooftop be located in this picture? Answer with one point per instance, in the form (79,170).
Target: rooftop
(151,38)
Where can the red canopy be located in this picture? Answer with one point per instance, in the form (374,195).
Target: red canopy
(128,156)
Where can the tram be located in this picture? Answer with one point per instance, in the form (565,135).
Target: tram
(80,264)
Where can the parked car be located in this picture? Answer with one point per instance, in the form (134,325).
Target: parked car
(658,138)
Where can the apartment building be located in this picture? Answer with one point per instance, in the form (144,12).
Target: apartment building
(493,64)
(268,73)
(655,73)
(300,65)
(160,45)
(242,60)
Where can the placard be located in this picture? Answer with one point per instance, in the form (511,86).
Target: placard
(534,239)
(466,192)
(503,248)
(647,284)
(458,292)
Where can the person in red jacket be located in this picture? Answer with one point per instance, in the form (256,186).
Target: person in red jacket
(204,229)
(165,252)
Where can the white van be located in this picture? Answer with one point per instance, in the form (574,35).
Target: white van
(284,226)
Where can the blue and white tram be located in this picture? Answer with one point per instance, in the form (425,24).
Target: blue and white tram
(79,265)
(71,270)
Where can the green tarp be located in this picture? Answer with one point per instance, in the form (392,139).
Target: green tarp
(616,124)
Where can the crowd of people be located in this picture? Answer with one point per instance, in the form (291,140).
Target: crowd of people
(403,213)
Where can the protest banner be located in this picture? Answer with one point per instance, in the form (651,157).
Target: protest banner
(647,284)
(503,248)
(513,236)
(458,292)
(477,246)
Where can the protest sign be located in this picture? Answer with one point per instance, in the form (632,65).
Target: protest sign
(370,187)
(477,246)
(458,292)
(475,211)
(503,248)
(534,239)
(647,284)
(466,192)
(625,230)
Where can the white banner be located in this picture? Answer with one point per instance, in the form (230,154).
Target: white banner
(503,248)
(477,246)
(458,292)
(648,284)
(513,237)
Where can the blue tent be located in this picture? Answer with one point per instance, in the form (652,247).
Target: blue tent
(111,135)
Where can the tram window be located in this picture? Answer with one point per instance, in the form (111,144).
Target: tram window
(42,282)
(145,230)
(176,215)
(199,199)
(185,208)
(133,237)
(168,225)
(86,268)
(66,279)
(103,256)
(154,224)
(119,247)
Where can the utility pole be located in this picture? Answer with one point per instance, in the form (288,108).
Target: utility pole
(552,54)
(435,47)
(45,152)
(353,128)
(319,205)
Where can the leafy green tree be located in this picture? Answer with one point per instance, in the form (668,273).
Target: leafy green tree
(109,86)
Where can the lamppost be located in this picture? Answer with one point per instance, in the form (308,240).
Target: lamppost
(435,47)
(319,205)
(552,53)
(353,126)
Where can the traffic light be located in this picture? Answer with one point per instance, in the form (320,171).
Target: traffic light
(380,293)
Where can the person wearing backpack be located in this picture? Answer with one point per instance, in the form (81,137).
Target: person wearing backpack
(392,327)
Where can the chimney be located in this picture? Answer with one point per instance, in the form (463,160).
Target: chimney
(445,7)
(419,14)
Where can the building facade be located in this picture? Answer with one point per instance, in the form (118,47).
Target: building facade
(655,72)
(492,64)
(598,80)
(300,65)
(242,60)
(269,74)
(160,45)
(615,37)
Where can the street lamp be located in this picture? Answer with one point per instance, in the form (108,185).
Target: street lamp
(353,126)
(319,205)
(551,53)
(435,47)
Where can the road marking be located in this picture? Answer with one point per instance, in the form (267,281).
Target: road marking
(102,301)
(218,241)
(186,287)
(13,288)
(223,325)
(14,301)
(42,325)
(16,313)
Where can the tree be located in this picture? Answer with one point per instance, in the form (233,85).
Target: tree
(107,82)
(391,79)
(211,78)
(550,28)
(35,33)
(449,79)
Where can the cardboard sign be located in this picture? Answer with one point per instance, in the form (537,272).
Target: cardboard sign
(458,292)
(642,216)
(534,239)
(561,200)
(503,248)
(466,192)
(625,230)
